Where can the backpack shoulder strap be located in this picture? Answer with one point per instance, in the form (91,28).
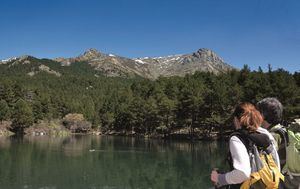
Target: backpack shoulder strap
(244,140)
(282,133)
(243,137)
(282,147)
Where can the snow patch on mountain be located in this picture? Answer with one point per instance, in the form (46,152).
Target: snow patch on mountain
(8,60)
(139,61)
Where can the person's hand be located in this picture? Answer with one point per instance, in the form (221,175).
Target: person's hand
(214,177)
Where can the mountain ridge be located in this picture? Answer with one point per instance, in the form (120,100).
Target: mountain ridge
(148,67)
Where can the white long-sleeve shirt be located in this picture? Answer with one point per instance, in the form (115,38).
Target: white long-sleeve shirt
(241,161)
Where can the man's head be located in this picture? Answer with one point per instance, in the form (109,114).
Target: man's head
(271,110)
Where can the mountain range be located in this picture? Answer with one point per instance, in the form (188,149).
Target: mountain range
(117,66)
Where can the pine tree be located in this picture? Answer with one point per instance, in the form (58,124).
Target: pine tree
(22,116)
(4,111)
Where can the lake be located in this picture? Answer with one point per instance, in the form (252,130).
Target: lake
(106,162)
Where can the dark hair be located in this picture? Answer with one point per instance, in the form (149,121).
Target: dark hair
(248,115)
(271,109)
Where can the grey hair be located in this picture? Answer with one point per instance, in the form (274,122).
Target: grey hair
(271,109)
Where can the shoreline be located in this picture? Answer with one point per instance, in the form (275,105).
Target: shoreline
(172,136)
(75,124)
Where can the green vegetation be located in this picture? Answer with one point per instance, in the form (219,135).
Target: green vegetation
(195,104)
(51,128)
(22,115)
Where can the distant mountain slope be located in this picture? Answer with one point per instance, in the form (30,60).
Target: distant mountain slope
(108,64)
(202,60)
(151,68)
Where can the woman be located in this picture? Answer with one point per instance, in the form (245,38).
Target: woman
(246,118)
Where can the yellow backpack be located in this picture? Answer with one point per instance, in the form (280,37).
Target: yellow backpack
(265,173)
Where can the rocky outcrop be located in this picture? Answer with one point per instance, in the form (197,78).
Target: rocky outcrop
(45,69)
(48,70)
(25,59)
(76,123)
(5,127)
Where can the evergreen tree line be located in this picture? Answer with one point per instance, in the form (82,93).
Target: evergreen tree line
(202,101)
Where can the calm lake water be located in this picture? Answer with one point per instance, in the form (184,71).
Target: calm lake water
(101,162)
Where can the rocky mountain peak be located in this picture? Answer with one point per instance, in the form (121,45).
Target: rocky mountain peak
(91,54)
(25,57)
(208,55)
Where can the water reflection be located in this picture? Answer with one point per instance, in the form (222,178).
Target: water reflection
(107,162)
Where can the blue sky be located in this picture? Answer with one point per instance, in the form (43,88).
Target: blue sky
(253,32)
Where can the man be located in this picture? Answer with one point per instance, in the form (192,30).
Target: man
(271,110)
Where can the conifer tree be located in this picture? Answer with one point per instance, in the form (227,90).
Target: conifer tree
(4,111)
(22,116)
